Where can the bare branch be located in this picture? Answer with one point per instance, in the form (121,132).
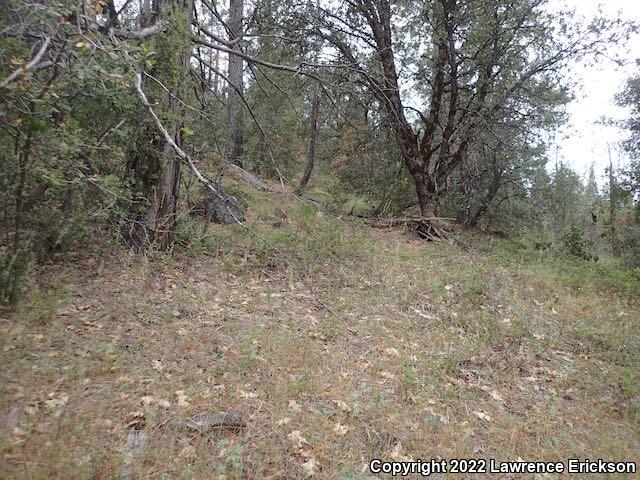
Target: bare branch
(137,34)
(32,63)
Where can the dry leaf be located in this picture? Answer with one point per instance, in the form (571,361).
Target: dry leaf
(295,406)
(31,410)
(342,405)
(244,394)
(496,396)
(340,429)
(392,352)
(157,365)
(182,398)
(309,467)
(55,402)
(397,453)
(188,453)
(482,415)
(297,440)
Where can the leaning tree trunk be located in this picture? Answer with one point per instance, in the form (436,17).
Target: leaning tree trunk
(155,166)
(236,130)
(313,138)
(497,174)
(486,201)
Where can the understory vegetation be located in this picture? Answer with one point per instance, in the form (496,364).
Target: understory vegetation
(337,342)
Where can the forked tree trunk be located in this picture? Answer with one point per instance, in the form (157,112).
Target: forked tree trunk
(429,227)
(155,167)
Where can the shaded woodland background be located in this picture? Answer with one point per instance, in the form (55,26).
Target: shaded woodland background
(120,120)
(277,239)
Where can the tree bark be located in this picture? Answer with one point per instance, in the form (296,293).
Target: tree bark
(615,247)
(427,196)
(418,153)
(155,166)
(236,64)
(313,138)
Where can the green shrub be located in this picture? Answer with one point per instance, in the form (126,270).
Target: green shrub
(575,243)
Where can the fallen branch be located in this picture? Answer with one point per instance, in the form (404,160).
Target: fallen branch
(137,34)
(205,422)
(402,221)
(428,228)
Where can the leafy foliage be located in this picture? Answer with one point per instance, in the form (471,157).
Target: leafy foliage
(575,243)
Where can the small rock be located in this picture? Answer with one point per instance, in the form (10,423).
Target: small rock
(203,422)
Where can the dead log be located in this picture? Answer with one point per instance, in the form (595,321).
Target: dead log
(428,228)
(205,422)
(250,178)
(402,221)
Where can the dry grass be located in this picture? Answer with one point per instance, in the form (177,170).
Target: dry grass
(363,344)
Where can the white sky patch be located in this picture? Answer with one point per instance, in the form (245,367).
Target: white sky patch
(583,141)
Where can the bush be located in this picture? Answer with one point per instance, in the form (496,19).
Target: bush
(630,245)
(576,244)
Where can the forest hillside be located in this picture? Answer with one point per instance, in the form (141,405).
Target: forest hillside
(333,342)
(246,239)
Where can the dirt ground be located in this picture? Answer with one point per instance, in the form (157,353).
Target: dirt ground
(369,345)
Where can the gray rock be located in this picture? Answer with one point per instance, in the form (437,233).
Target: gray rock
(10,419)
(224,208)
(135,442)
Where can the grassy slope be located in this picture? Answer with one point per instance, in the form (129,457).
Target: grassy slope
(338,343)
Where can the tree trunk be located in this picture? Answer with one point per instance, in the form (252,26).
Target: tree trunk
(155,167)
(427,197)
(236,132)
(496,183)
(216,78)
(615,247)
(313,138)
